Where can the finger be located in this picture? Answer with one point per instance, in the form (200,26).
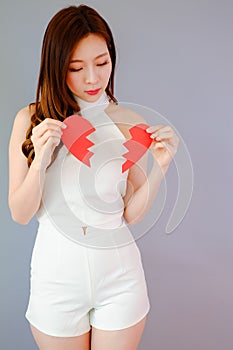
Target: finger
(161,135)
(52,141)
(159,128)
(40,130)
(170,140)
(159,145)
(165,146)
(49,134)
(154,128)
(165,129)
(50,123)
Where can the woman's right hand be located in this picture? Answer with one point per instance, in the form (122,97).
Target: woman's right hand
(45,137)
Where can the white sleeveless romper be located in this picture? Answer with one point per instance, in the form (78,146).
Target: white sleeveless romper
(86,269)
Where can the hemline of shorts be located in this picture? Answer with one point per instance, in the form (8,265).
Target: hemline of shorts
(128,326)
(52,334)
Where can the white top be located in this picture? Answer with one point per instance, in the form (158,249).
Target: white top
(75,192)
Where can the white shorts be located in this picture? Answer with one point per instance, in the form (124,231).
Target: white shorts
(73,287)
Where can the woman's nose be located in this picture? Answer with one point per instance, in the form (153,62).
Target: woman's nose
(91,76)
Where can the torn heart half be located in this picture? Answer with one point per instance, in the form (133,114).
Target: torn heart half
(137,145)
(75,139)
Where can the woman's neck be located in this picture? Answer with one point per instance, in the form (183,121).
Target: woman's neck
(102,101)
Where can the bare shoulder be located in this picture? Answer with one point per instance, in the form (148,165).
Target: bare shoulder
(21,124)
(124,117)
(23,117)
(18,167)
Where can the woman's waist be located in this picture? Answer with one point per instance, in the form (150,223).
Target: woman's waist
(105,235)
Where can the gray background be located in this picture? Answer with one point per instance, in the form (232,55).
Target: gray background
(176,58)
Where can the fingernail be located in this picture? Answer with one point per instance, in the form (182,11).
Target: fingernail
(64,126)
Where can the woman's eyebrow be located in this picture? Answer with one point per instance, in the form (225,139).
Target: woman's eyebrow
(102,54)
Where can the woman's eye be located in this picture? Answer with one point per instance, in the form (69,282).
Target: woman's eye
(74,69)
(78,69)
(102,64)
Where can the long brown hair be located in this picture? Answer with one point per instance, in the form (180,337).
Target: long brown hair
(53,97)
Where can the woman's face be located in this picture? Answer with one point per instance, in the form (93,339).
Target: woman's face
(90,68)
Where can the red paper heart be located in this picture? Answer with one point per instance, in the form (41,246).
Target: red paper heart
(74,137)
(137,145)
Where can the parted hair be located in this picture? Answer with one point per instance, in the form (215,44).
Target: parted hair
(53,97)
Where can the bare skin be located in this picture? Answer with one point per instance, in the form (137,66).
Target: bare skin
(125,339)
(47,342)
(96,339)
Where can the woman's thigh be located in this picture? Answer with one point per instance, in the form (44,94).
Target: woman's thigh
(48,342)
(123,339)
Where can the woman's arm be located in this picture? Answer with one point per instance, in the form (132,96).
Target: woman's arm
(142,189)
(24,183)
(143,198)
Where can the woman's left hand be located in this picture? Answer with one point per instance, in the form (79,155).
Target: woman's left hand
(164,145)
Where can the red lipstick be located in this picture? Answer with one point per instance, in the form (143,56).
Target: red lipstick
(93,92)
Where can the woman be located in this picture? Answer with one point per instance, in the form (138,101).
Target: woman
(83,296)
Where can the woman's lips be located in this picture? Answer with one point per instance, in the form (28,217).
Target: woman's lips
(93,92)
